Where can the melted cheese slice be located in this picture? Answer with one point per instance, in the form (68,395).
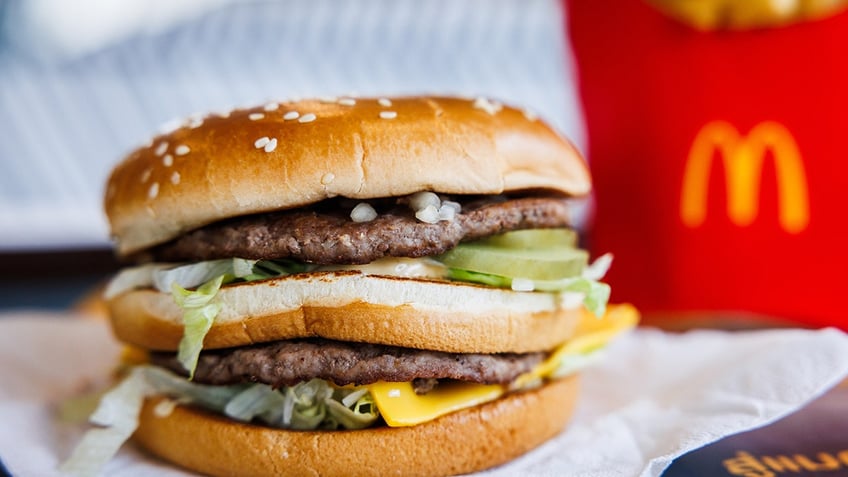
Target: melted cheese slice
(400,406)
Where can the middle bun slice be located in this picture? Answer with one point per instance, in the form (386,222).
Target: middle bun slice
(353,306)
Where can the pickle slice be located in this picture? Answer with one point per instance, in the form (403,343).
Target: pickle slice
(551,263)
(534,238)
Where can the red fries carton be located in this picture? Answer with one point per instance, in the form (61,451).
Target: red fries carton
(720,161)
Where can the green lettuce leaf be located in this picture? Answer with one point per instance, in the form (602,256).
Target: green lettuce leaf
(314,404)
(199,312)
(117,416)
(595,294)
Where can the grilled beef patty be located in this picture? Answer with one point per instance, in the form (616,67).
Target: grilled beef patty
(326,235)
(285,363)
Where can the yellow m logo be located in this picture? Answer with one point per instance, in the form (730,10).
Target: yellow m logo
(743,159)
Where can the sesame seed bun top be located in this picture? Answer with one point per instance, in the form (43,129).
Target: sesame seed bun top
(286,155)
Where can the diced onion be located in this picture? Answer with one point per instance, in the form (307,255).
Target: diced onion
(421,200)
(447,213)
(363,212)
(429,214)
(453,205)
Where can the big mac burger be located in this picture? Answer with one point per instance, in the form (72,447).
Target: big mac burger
(350,286)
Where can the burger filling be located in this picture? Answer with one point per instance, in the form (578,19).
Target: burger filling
(518,243)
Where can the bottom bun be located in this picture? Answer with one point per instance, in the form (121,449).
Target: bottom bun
(465,441)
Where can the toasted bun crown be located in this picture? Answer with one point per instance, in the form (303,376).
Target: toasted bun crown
(287,155)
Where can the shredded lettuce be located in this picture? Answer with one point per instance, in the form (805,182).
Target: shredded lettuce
(192,275)
(253,401)
(574,362)
(314,404)
(132,278)
(162,276)
(599,268)
(595,294)
(199,312)
(243,267)
(117,414)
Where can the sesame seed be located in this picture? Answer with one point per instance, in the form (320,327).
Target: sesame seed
(271,107)
(175,178)
(328,99)
(195,121)
(161,148)
(261,142)
(384,102)
(388,114)
(307,118)
(145,176)
(328,178)
(255,116)
(153,191)
(168,160)
(530,114)
(491,107)
(272,144)
(347,101)
(170,126)
(291,115)
(182,150)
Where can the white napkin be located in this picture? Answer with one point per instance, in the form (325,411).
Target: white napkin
(654,397)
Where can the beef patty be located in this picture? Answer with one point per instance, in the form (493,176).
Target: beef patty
(326,235)
(285,363)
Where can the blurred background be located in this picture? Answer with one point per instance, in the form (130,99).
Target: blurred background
(713,127)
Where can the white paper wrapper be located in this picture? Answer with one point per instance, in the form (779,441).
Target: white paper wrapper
(654,396)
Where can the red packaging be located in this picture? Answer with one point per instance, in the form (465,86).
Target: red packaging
(720,161)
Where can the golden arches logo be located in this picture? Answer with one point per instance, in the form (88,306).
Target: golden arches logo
(743,158)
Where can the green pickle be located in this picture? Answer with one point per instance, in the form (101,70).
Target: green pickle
(551,256)
(534,238)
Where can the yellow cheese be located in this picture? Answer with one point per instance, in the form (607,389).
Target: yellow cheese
(400,406)
(133,356)
(592,333)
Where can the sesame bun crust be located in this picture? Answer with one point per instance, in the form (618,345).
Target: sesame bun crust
(222,167)
(465,441)
(351,306)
